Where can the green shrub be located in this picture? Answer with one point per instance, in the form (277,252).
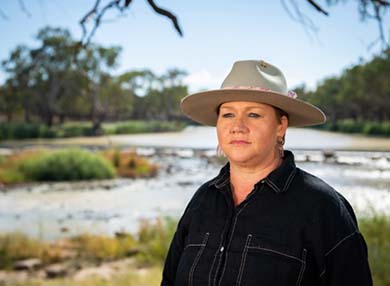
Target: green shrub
(17,246)
(154,240)
(67,165)
(76,131)
(103,248)
(138,126)
(353,126)
(376,231)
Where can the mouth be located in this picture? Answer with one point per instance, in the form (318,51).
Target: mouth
(239,142)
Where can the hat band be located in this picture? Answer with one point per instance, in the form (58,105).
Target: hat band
(290,93)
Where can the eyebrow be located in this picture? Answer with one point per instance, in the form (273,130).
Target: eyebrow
(246,108)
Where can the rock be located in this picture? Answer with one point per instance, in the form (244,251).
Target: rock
(56,270)
(329,154)
(103,272)
(28,264)
(12,277)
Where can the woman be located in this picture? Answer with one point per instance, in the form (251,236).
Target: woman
(262,220)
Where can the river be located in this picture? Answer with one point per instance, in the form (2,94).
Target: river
(360,171)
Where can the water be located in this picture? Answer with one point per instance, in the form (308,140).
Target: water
(205,138)
(51,211)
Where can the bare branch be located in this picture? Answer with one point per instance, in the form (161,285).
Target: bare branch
(167,14)
(3,15)
(86,17)
(23,8)
(299,17)
(97,13)
(317,7)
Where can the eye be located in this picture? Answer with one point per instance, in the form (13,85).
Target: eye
(227,115)
(254,115)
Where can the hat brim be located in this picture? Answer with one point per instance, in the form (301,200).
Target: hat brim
(202,106)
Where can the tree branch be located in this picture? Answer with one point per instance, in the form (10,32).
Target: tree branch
(23,8)
(3,15)
(97,13)
(317,7)
(167,14)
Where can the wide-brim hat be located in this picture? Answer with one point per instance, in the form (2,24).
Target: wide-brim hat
(255,81)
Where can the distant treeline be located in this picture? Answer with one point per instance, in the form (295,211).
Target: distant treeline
(58,81)
(357,101)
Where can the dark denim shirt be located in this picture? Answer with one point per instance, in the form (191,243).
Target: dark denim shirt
(292,229)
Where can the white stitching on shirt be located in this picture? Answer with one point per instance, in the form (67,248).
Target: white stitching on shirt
(336,245)
(243,259)
(275,251)
(275,187)
(289,180)
(193,244)
(196,260)
(303,266)
(215,257)
(231,238)
(340,242)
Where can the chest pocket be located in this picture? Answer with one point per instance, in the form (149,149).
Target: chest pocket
(189,260)
(266,262)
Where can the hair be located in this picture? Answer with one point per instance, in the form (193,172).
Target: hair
(280,113)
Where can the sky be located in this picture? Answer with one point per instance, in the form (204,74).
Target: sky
(216,34)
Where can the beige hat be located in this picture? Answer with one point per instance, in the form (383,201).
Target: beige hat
(255,81)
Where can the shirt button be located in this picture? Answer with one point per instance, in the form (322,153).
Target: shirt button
(221,249)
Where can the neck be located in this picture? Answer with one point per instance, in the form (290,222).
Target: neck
(244,177)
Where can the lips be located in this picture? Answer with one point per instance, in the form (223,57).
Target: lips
(239,142)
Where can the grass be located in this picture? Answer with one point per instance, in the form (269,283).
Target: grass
(151,245)
(97,248)
(376,231)
(147,277)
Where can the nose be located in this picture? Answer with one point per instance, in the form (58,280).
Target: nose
(239,126)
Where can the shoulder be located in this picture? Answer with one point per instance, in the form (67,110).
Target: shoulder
(323,201)
(201,194)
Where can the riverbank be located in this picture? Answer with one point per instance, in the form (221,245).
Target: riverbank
(204,138)
(142,259)
(19,131)
(52,211)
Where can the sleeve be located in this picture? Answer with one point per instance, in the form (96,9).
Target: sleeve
(346,263)
(173,256)
(178,242)
(344,255)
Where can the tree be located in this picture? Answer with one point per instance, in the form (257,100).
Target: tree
(361,93)
(369,10)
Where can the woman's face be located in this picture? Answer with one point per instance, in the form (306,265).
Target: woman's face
(248,131)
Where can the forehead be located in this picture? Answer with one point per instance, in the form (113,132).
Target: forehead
(245,105)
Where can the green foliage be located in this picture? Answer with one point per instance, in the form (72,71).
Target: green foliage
(155,239)
(358,100)
(139,126)
(100,248)
(376,231)
(17,246)
(352,126)
(129,164)
(9,131)
(67,165)
(134,276)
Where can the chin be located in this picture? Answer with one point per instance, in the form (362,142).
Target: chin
(239,158)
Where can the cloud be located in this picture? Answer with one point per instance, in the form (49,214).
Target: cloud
(202,80)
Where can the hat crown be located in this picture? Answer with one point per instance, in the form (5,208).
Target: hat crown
(256,74)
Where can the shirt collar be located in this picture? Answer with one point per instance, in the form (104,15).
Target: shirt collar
(278,180)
